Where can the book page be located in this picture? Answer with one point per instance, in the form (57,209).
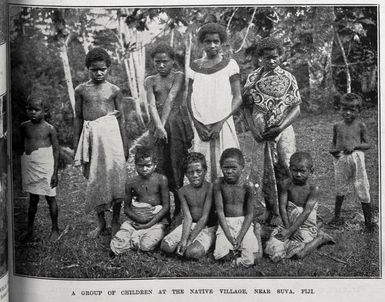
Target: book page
(3,155)
(109,100)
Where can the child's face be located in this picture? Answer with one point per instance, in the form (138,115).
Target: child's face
(145,167)
(212,45)
(270,59)
(300,171)
(231,169)
(35,112)
(163,64)
(349,112)
(195,174)
(98,71)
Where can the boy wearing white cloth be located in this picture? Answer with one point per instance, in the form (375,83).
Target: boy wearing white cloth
(234,201)
(99,141)
(196,235)
(146,205)
(349,144)
(39,164)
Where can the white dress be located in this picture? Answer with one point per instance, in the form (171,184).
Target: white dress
(211,101)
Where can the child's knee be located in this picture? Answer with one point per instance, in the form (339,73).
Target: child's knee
(150,241)
(195,251)
(166,247)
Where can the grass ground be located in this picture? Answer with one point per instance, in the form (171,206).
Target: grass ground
(356,253)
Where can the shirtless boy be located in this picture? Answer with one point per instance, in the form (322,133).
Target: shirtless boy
(39,164)
(298,202)
(147,205)
(196,235)
(234,203)
(99,140)
(170,128)
(349,143)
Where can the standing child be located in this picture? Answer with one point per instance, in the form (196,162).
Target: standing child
(234,203)
(298,203)
(99,140)
(146,205)
(39,163)
(197,233)
(214,95)
(348,146)
(170,128)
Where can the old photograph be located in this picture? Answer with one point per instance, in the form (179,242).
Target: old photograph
(195,142)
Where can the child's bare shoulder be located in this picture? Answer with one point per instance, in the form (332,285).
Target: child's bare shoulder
(150,80)
(159,178)
(25,124)
(218,183)
(79,89)
(285,184)
(113,87)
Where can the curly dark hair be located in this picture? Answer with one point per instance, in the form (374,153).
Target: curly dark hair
(194,157)
(351,99)
(212,28)
(143,152)
(232,153)
(163,48)
(269,43)
(97,54)
(300,156)
(41,99)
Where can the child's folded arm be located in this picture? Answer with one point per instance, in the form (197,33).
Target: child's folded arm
(220,212)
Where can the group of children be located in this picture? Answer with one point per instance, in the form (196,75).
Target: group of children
(219,213)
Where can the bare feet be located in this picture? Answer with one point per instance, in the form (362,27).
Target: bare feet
(54,235)
(337,221)
(96,232)
(326,238)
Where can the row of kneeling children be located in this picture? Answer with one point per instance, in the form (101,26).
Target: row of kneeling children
(219,215)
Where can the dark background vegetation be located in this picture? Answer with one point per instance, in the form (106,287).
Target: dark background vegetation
(330,50)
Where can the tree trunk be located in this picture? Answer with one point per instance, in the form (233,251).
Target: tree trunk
(348,77)
(319,64)
(67,75)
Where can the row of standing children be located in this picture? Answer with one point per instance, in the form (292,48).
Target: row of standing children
(99,102)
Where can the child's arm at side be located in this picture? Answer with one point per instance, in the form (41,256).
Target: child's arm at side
(78,119)
(133,215)
(364,139)
(205,215)
(22,137)
(176,86)
(250,202)
(55,150)
(333,150)
(220,212)
(165,197)
(121,120)
(187,221)
(283,202)
(310,203)
(160,132)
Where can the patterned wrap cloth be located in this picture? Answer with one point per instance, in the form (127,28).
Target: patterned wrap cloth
(273,95)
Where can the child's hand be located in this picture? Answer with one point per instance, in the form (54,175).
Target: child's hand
(203,132)
(283,235)
(257,134)
(349,149)
(271,133)
(216,129)
(160,134)
(181,248)
(54,181)
(139,226)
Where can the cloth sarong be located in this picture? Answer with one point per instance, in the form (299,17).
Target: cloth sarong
(206,237)
(277,249)
(36,170)
(350,172)
(146,239)
(100,152)
(249,246)
(272,94)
